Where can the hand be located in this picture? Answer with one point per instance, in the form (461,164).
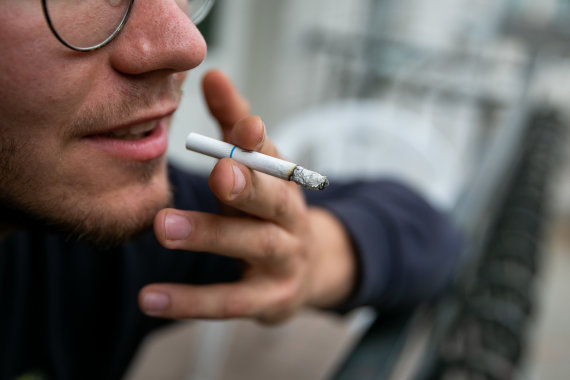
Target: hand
(295,255)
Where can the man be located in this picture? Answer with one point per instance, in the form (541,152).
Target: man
(83,176)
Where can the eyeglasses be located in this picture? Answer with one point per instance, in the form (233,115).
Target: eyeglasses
(86,25)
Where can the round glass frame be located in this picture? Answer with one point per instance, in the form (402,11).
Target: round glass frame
(202,10)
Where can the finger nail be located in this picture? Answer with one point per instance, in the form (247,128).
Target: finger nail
(153,303)
(262,138)
(176,227)
(239,181)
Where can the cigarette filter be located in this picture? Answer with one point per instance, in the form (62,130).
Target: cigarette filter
(257,161)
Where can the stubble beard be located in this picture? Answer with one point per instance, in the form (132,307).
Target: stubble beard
(80,219)
(77,218)
(26,202)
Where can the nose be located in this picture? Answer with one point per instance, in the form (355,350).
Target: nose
(158,36)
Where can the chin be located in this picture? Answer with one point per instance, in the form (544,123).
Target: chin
(115,223)
(118,216)
(106,211)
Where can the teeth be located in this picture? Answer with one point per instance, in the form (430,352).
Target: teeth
(133,133)
(142,128)
(126,136)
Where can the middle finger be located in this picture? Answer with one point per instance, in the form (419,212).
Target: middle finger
(243,238)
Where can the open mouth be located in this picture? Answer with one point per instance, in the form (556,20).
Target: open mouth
(141,142)
(137,132)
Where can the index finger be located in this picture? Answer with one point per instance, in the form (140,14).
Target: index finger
(224,101)
(250,133)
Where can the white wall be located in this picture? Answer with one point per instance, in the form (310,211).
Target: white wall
(260,46)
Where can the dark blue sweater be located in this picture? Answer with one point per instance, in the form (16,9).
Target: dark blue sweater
(69,310)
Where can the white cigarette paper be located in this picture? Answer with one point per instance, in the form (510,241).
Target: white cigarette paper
(257,161)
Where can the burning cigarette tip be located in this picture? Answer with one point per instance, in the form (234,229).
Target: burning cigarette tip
(309,179)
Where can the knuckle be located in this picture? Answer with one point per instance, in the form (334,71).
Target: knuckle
(207,233)
(234,307)
(270,242)
(188,307)
(217,107)
(283,201)
(286,296)
(213,234)
(284,305)
(286,299)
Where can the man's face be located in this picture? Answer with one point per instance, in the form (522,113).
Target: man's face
(83,136)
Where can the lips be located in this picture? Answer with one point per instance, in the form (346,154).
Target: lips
(141,142)
(136,132)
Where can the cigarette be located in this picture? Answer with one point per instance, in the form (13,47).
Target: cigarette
(257,161)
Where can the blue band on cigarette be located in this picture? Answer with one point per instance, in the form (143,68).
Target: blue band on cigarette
(232,152)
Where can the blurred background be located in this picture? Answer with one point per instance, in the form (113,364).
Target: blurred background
(456,98)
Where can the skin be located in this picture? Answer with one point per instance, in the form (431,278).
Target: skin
(52,98)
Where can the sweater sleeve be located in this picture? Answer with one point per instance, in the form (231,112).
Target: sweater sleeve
(406,250)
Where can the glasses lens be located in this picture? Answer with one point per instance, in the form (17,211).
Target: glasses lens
(85,24)
(199,9)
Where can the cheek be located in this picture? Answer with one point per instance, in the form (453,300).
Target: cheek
(24,65)
(33,93)
(40,81)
